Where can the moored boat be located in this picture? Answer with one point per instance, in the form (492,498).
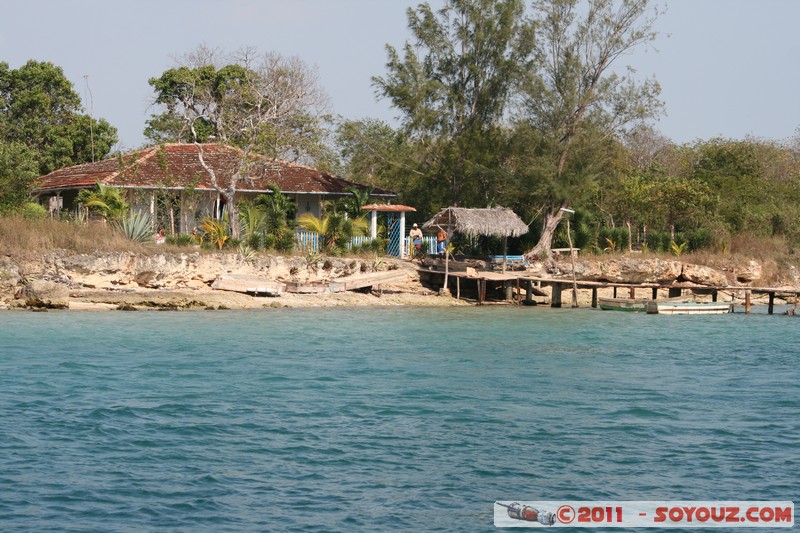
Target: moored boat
(635,304)
(654,307)
(622,304)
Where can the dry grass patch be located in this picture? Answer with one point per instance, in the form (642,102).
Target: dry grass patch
(28,238)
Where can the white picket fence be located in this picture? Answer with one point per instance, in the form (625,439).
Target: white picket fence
(309,241)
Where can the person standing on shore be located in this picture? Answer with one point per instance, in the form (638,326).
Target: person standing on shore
(416,239)
(441,241)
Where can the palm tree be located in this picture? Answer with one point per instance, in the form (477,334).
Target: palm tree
(252,221)
(358,199)
(336,229)
(104,200)
(278,208)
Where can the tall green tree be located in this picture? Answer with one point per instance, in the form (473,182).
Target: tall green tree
(374,153)
(573,94)
(452,84)
(18,168)
(40,109)
(268,104)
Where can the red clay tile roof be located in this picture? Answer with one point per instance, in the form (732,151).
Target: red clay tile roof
(177,165)
(387,208)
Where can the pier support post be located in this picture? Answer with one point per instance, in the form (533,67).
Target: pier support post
(747,301)
(655,293)
(458,288)
(529,292)
(714,295)
(632,292)
(594,297)
(771,307)
(509,291)
(555,299)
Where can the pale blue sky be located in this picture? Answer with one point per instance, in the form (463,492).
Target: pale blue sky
(727,68)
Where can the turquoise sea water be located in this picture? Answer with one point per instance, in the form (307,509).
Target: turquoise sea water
(384,419)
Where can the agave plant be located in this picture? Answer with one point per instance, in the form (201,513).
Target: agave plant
(136,226)
(246,252)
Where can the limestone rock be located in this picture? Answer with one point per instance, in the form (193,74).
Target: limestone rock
(703,275)
(143,279)
(45,294)
(9,273)
(624,270)
(751,272)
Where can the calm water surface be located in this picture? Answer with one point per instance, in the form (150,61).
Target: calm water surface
(384,420)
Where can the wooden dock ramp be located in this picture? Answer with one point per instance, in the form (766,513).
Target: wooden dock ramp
(249,285)
(350,283)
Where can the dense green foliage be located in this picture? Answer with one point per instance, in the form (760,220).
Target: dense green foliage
(454,97)
(267,223)
(18,169)
(507,105)
(40,109)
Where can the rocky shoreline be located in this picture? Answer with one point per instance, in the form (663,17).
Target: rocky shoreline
(165,281)
(174,281)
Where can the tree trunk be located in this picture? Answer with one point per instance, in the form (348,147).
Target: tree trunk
(233,213)
(543,247)
(630,236)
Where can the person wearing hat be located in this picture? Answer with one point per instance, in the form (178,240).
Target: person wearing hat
(416,238)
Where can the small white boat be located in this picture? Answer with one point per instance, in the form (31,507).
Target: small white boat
(634,304)
(655,307)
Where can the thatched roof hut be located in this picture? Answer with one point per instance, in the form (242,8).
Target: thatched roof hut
(492,221)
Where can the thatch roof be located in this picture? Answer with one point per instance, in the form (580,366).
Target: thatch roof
(493,221)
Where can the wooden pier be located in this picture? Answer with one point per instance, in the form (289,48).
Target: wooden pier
(509,286)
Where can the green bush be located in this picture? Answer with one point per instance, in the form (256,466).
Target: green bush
(615,239)
(699,239)
(181,239)
(659,241)
(34,211)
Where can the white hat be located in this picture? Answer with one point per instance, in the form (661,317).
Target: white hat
(415,224)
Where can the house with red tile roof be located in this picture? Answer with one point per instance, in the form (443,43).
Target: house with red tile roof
(174,170)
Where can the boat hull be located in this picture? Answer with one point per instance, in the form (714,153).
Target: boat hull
(688,308)
(635,304)
(622,304)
